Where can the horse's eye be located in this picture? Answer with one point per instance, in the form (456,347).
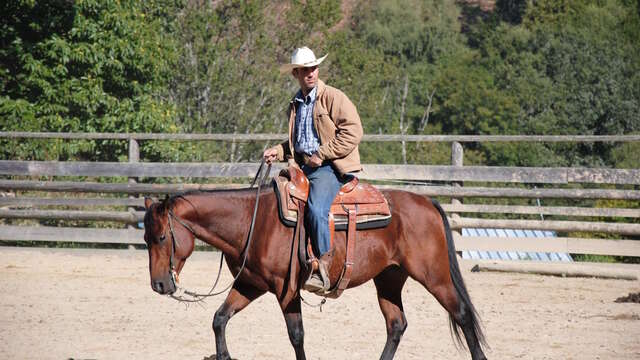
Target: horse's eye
(162,237)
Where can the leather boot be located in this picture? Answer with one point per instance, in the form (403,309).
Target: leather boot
(319,281)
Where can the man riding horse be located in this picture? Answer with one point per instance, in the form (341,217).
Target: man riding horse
(324,132)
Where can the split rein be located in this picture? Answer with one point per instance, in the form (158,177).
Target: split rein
(186,296)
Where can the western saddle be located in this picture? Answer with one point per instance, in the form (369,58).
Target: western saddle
(357,206)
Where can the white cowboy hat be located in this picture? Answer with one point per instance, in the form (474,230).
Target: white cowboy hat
(301,57)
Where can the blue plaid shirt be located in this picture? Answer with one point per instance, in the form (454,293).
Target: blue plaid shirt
(307,140)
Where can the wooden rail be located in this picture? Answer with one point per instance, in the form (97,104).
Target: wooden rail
(71,234)
(541,210)
(563,226)
(509,182)
(135,236)
(457,223)
(281,137)
(446,191)
(108,188)
(372,172)
(22,202)
(25,201)
(116,216)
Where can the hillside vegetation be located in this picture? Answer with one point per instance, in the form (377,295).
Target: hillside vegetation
(411,67)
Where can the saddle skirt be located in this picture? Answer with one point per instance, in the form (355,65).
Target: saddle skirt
(370,204)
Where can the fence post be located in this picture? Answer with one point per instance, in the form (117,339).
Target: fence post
(134,157)
(457,155)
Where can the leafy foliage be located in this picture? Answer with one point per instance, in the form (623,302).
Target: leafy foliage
(569,69)
(88,66)
(414,67)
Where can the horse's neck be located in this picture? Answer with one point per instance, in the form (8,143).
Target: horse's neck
(221,219)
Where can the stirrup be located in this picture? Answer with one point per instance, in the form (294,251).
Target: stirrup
(324,275)
(319,283)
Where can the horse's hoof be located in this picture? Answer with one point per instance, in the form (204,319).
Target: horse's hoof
(218,357)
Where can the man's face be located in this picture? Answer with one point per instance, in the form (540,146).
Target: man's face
(307,77)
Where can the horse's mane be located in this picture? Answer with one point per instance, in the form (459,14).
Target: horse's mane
(170,201)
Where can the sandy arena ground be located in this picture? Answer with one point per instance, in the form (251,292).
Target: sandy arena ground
(97,304)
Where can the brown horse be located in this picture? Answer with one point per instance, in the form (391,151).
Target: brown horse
(417,243)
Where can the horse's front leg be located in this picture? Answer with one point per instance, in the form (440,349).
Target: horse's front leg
(238,298)
(293,318)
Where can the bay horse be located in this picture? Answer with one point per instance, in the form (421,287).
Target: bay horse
(416,243)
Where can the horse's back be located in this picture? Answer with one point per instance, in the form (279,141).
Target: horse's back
(409,206)
(417,225)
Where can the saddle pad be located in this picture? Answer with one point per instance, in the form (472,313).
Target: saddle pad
(372,207)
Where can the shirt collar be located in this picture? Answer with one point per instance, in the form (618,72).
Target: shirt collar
(309,99)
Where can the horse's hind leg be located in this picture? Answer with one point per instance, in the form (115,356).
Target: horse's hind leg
(461,313)
(389,285)
(437,280)
(238,298)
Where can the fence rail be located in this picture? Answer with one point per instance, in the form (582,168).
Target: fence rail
(445,191)
(22,202)
(542,210)
(560,184)
(281,137)
(537,175)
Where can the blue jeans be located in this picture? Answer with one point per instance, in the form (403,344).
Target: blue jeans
(324,185)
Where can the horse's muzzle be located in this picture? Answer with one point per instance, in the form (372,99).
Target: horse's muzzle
(164,286)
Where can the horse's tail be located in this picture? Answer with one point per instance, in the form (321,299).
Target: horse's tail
(458,283)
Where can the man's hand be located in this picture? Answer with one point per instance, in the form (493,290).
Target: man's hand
(314,160)
(270,155)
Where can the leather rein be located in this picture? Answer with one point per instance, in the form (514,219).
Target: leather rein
(194,297)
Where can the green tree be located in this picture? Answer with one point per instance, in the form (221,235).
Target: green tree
(570,68)
(229,56)
(388,63)
(86,66)
(416,67)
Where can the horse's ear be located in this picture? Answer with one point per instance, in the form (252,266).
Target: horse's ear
(147,202)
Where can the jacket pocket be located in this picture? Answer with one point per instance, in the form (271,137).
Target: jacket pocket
(325,127)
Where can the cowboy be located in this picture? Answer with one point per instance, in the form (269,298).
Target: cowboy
(324,132)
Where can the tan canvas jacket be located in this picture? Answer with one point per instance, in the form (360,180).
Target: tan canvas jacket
(339,129)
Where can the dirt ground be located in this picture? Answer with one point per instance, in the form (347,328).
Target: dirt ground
(97,304)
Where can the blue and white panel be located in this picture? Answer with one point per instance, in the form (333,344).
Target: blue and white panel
(511,255)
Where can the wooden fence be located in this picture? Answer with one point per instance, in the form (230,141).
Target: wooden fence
(497,183)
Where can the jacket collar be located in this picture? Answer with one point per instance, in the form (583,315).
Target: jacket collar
(321,87)
(319,91)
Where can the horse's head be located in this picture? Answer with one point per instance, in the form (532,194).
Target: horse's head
(169,241)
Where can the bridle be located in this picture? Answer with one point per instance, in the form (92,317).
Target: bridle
(174,245)
(193,297)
